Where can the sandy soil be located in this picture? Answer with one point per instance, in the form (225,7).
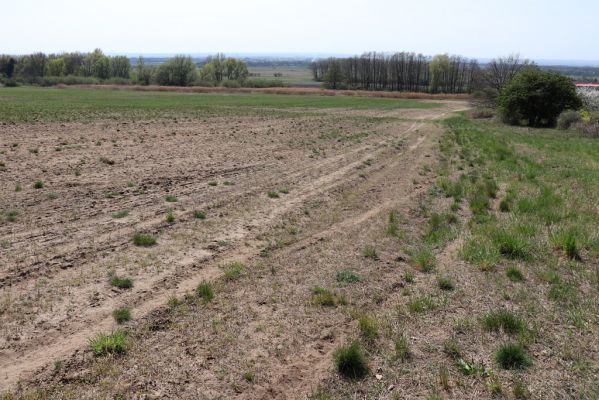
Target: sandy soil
(56,256)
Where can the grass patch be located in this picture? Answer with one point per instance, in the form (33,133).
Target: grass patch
(121,315)
(512,356)
(503,320)
(351,362)
(142,240)
(325,297)
(199,214)
(120,214)
(369,328)
(347,276)
(234,271)
(392,225)
(423,259)
(171,198)
(370,252)
(514,274)
(273,195)
(38,185)
(121,283)
(205,292)
(402,347)
(113,343)
(445,283)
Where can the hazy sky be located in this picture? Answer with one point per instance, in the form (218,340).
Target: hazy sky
(540,29)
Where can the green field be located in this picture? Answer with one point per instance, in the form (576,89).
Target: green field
(29,104)
(292,76)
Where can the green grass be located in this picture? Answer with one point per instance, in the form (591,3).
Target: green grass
(121,283)
(503,320)
(346,276)
(205,292)
(512,356)
(199,214)
(351,362)
(369,328)
(121,315)
(514,274)
(445,283)
(170,198)
(325,297)
(142,240)
(38,185)
(370,252)
(402,347)
(120,214)
(31,104)
(234,271)
(113,343)
(423,259)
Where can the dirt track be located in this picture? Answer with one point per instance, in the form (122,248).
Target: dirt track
(54,290)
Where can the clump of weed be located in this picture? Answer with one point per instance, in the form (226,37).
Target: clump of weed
(121,315)
(451,347)
(480,252)
(503,320)
(514,274)
(11,215)
(248,376)
(520,390)
(228,183)
(212,183)
(347,276)
(369,328)
(402,347)
(370,252)
(511,245)
(284,191)
(234,271)
(38,185)
(205,292)
(445,283)
(121,283)
(566,241)
(351,361)
(421,304)
(170,217)
(171,198)
(120,214)
(18,187)
(113,343)
(424,259)
(392,226)
(325,297)
(273,195)
(199,214)
(107,161)
(512,356)
(140,239)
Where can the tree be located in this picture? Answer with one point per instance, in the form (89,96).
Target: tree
(178,71)
(56,67)
(333,76)
(489,81)
(144,72)
(537,97)
(120,67)
(7,66)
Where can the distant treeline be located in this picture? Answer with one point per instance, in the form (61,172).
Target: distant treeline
(96,67)
(398,72)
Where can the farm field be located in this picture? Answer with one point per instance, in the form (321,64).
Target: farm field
(229,245)
(291,75)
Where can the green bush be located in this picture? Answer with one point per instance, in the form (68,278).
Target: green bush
(567,119)
(142,240)
(113,343)
(351,362)
(205,292)
(512,356)
(537,98)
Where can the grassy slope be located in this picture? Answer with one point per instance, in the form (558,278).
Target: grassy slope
(28,104)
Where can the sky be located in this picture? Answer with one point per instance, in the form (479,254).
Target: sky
(537,29)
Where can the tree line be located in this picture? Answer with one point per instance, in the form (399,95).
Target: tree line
(96,67)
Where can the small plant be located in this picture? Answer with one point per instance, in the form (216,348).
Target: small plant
(408,277)
(205,292)
(402,348)
(38,185)
(113,343)
(424,259)
(213,183)
(121,315)
(107,161)
(369,328)
(421,304)
(18,187)
(234,270)
(273,195)
(370,252)
(351,362)
(11,215)
(284,191)
(503,320)
(451,347)
(520,390)
(170,217)
(347,277)
(470,368)
(514,274)
(512,356)
(199,214)
(392,226)
(248,376)
(121,283)
(171,198)
(120,214)
(228,183)
(444,378)
(511,245)
(445,283)
(325,297)
(139,239)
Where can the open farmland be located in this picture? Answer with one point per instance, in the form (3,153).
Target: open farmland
(250,236)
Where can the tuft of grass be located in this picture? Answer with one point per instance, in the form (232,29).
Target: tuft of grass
(228,183)
(480,252)
(347,276)
(402,347)
(369,328)
(392,226)
(18,187)
(511,245)
(212,183)
(121,315)
(284,191)
(424,259)
(234,271)
(514,274)
(106,160)
(248,376)
(171,198)
(452,348)
(140,239)
(113,343)
(199,214)
(205,292)
(421,304)
(520,390)
(566,241)
(120,214)
(351,362)
(170,217)
(11,215)
(38,185)
(445,283)
(273,195)
(503,320)
(325,297)
(121,283)
(370,252)
(512,356)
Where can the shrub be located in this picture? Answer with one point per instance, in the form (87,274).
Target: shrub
(351,362)
(537,97)
(121,315)
(144,240)
(347,277)
(205,292)
(503,320)
(567,119)
(38,185)
(199,214)
(113,343)
(512,356)
(121,283)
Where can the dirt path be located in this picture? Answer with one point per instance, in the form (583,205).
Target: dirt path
(54,286)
